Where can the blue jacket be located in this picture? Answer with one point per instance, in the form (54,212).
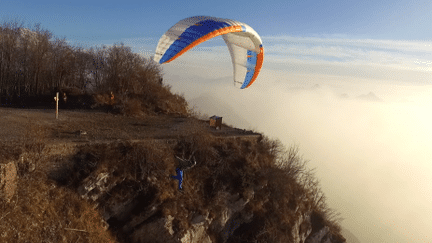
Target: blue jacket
(179,177)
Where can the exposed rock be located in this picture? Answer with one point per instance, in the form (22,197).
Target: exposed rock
(235,222)
(198,219)
(319,237)
(136,220)
(90,183)
(137,213)
(168,224)
(8,180)
(93,187)
(232,217)
(26,163)
(157,231)
(149,225)
(302,228)
(196,234)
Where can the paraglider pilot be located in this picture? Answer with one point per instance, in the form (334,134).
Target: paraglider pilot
(183,165)
(179,177)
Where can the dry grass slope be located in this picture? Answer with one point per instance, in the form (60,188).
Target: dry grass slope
(46,206)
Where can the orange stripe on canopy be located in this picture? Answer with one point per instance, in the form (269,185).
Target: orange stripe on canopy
(223,31)
(260,58)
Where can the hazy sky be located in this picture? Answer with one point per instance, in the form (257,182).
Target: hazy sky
(374,159)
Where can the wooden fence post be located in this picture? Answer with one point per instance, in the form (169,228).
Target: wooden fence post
(57,100)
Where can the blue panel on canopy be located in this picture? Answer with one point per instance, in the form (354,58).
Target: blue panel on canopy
(250,65)
(192,34)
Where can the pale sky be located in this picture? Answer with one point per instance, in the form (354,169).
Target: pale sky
(374,159)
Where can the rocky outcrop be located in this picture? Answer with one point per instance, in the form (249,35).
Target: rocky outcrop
(197,233)
(26,163)
(324,235)
(320,236)
(159,230)
(302,227)
(146,223)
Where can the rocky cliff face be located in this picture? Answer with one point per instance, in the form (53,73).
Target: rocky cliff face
(129,186)
(138,214)
(149,226)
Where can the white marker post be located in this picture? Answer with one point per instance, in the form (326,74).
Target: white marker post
(56,99)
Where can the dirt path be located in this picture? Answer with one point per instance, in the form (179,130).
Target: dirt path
(98,126)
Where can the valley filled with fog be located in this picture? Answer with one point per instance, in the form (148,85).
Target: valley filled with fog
(368,140)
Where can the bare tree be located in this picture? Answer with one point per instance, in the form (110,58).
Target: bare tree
(9,64)
(83,62)
(31,62)
(57,60)
(97,66)
(40,48)
(24,59)
(129,71)
(115,79)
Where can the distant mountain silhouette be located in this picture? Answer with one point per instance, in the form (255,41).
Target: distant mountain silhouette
(344,96)
(211,105)
(370,97)
(350,237)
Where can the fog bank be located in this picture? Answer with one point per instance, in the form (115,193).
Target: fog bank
(373,158)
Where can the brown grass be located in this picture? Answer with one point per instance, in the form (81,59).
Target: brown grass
(155,99)
(40,211)
(275,180)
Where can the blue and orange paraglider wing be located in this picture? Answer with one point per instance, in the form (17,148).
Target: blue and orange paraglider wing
(243,42)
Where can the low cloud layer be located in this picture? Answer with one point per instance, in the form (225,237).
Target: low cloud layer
(373,158)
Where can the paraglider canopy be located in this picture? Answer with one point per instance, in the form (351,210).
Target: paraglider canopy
(244,44)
